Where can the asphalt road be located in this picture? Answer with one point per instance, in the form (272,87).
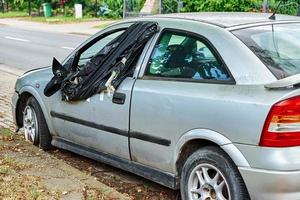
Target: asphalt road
(28,49)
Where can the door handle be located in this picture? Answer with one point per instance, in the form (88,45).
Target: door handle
(119,98)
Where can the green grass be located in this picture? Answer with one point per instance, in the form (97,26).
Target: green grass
(59,19)
(13,14)
(5,132)
(4,170)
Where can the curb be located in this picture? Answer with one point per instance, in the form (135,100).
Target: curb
(11,70)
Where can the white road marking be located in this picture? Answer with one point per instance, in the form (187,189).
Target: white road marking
(17,39)
(70,48)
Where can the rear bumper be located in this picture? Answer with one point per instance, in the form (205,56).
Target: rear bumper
(271,185)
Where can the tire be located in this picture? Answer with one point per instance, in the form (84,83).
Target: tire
(214,161)
(41,136)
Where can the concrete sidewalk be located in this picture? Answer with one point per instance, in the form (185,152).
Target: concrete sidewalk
(7,81)
(81,28)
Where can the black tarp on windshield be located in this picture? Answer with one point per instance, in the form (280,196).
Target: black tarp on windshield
(106,70)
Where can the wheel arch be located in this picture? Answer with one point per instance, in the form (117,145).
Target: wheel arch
(25,93)
(198,138)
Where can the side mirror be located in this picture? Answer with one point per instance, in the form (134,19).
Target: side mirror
(58,69)
(59,72)
(70,64)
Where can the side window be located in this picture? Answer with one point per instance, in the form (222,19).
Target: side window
(96,47)
(184,56)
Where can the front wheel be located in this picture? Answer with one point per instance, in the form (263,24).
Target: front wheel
(35,126)
(209,174)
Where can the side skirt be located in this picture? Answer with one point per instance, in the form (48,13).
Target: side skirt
(157,176)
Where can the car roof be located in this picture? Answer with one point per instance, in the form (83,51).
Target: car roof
(229,19)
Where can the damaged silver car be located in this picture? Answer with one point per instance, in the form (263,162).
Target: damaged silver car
(207,103)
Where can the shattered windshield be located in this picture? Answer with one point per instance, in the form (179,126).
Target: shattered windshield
(277,45)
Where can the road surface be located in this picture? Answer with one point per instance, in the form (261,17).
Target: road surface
(29,49)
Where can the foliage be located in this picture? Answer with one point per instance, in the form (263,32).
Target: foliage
(219,5)
(66,7)
(13,14)
(288,6)
(170,6)
(114,8)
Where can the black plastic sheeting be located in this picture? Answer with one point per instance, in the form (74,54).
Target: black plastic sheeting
(106,70)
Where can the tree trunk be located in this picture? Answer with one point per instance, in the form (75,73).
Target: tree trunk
(2,6)
(29,7)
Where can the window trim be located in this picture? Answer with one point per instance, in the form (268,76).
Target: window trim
(202,39)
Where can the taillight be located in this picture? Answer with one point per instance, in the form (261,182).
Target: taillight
(282,126)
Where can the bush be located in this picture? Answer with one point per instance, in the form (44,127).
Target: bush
(219,5)
(288,7)
(116,6)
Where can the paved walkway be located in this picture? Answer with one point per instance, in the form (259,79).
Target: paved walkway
(85,28)
(7,81)
(149,6)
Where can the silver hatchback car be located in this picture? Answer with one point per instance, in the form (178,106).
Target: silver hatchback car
(212,108)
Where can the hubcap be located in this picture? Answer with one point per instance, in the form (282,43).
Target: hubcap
(30,124)
(206,182)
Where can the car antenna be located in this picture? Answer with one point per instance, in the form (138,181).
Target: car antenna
(273,16)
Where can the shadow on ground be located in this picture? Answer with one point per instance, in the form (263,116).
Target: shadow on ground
(124,182)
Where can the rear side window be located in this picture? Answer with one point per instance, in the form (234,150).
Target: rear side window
(185,56)
(277,46)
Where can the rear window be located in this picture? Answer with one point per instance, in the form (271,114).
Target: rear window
(277,45)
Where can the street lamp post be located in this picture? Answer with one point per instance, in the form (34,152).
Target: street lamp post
(160,6)
(124,9)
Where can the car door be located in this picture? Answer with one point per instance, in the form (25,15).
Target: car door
(102,121)
(173,95)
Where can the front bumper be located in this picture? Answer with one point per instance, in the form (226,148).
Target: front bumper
(14,102)
(271,185)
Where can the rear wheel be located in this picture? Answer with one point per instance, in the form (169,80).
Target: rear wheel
(209,174)
(35,126)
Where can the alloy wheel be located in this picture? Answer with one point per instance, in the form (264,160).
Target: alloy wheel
(30,124)
(206,182)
